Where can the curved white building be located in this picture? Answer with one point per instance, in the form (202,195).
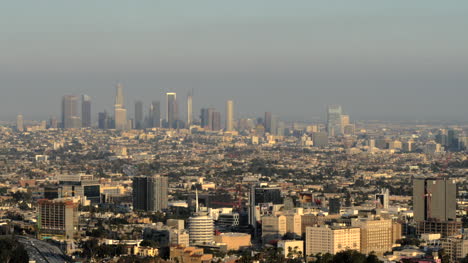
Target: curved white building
(201,228)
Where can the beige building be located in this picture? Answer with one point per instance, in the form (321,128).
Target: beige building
(234,241)
(456,247)
(58,218)
(189,255)
(376,235)
(273,227)
(293,225)
(326,239)
(292,248)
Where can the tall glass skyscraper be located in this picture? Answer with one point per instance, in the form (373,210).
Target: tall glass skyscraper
(229,115)
(139,115)
(70,117)
(85,111)
(334,113)
(172,116)
(120,113)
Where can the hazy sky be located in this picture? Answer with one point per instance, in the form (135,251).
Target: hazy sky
(399,59)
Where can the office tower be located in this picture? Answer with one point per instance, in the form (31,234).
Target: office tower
(434,206)
(281,127)
(85,111)
(120,113)
(252,207)
(70,117)
(434,199)
(268,195)
(334,206)
(210,119)
(53,123)
(139,115)
(189,110)
(320,139)
(206,116)
(229,115)
(267,122)
(80,185)
(334,120)
(216,122)
(331,239)
(19,123)
(172,110)
(150,193)
(104,121)
(273,227)
(293,225)
(154,119)
(376,235)
(57,218)
(382,199)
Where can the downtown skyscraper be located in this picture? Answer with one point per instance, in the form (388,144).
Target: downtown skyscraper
(70,117)
(334,120)
(172,115)
(85,111)
(229,115)
(189,109)
(154,118)
(120,113)
(139,115)
(150,193)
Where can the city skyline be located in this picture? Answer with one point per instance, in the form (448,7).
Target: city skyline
(317,54)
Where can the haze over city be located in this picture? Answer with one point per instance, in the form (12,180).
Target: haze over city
(396,60)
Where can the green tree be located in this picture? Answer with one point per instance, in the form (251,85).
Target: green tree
(11,251)
(465,259)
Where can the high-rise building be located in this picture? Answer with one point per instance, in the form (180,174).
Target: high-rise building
(53,123)
(207,118)
(325,239)
(57,218)
(172,116)
(154,119)
(434,206)
(376,235)
(85,111)
(268,195)
(120,113)
(216,122)
(83,186)
(139,115)
(19,123)
(150,193)
(104,120)
(273,227)
(70,117)
(267,122)
(434,199)
(320,139)
(382,199)
(334,206)
(229,115)
(201,228)
(334,120)
(189,109)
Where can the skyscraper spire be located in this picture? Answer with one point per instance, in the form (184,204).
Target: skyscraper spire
(120,113)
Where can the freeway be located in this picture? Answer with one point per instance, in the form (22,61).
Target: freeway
(41,251)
